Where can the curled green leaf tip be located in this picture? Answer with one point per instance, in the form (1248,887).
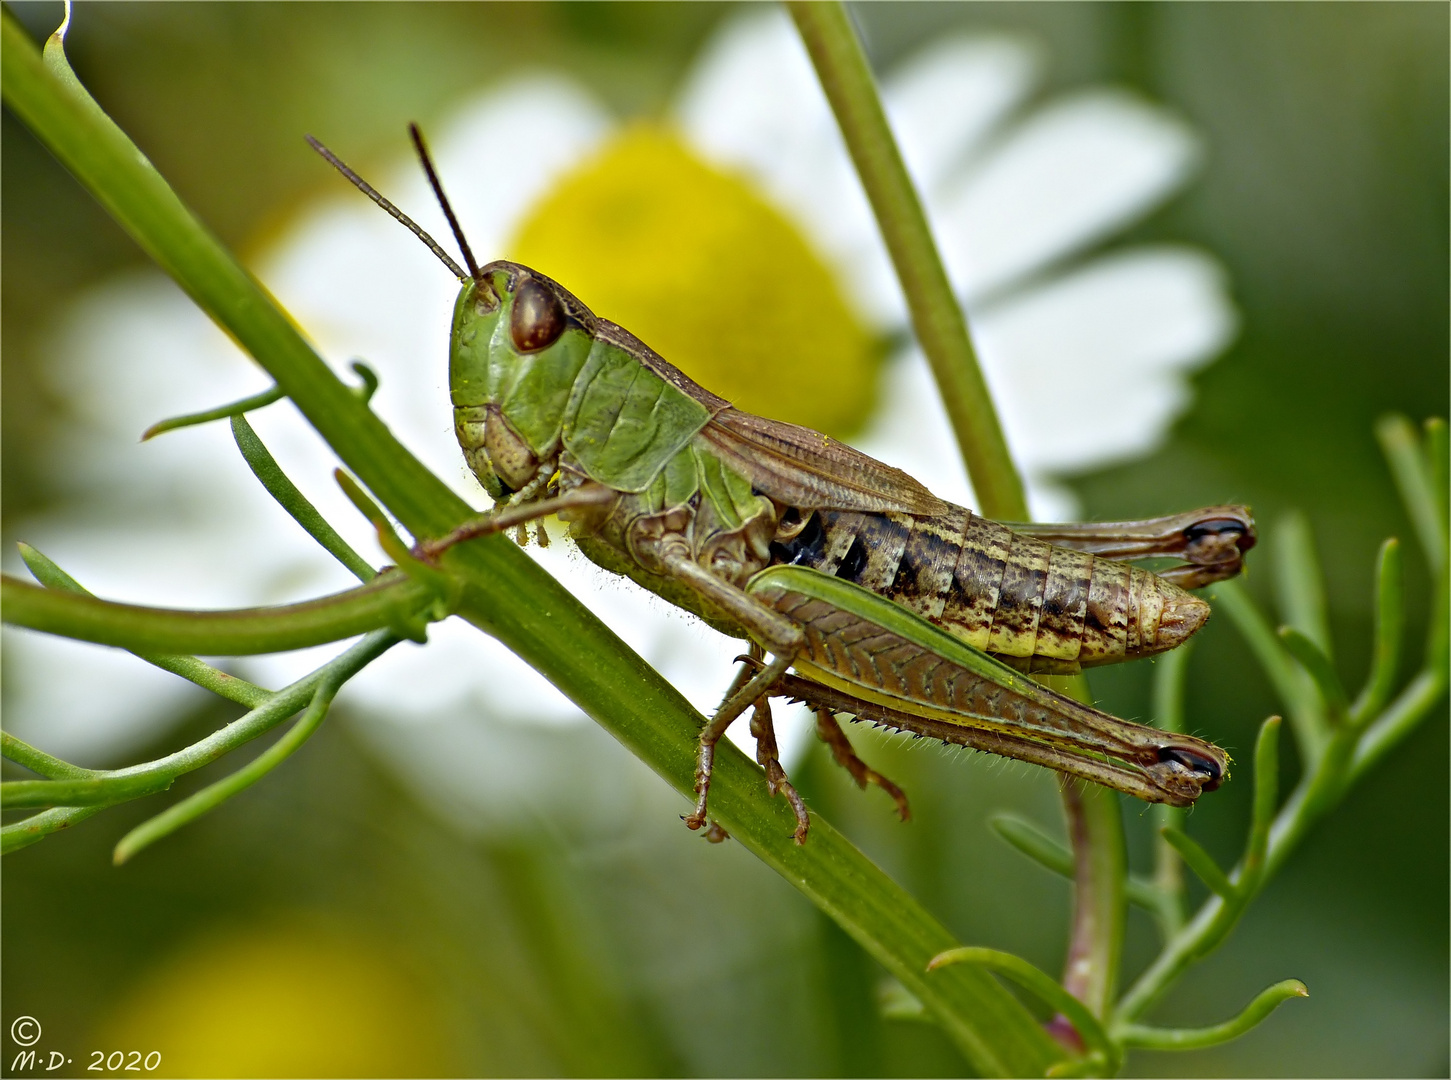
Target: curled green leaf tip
(221,412)
(1041,985)
(370,381)
(1152,1038)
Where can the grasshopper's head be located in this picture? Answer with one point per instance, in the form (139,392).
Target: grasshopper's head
(511,323)
(518,343)
(519,340)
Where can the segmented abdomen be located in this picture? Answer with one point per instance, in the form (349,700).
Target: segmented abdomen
(1000,591)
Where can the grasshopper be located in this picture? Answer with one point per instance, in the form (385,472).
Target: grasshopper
(891,604)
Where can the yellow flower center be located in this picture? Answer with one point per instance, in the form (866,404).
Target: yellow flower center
(695,263)
(281,1001)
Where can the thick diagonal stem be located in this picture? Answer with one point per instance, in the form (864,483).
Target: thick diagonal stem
(937,317)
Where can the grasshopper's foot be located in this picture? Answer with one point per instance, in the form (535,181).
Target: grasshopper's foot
(769,759)
(831,734)
(704,763)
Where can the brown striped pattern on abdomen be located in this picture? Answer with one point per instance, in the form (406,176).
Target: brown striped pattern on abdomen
(1003,592)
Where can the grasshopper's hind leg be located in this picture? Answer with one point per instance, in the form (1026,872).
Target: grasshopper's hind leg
(831,733)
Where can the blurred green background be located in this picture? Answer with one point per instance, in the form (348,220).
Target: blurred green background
(326,924)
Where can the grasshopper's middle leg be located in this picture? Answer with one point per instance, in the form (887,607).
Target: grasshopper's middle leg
(768,756)
(782,638)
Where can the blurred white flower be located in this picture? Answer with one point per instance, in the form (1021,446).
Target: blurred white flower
(1086,360)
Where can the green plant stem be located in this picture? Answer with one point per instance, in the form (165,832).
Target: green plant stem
(1342,753)
(188,667)
(1415,478)
(1299,591)
(1232,895)
(1293,686)
(1399,720)
(390,599)
(1095,946)
(264,466)
(38,826)
(1094,822)
(1345,758)
(1389,634)
(131,782)
(1054,857)
(1266,798)
(1170,673)
(213,795)
(1333,700)
(937,317)
(39,762)
(507,595)
(104,791)
(1198,860)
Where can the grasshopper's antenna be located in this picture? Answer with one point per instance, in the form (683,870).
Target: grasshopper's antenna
(458,233)
(367,189)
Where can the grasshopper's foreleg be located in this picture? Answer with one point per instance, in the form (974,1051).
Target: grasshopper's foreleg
(507,517)
(781,637)
(831,733)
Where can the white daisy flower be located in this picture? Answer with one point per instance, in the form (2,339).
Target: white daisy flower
(1087,359)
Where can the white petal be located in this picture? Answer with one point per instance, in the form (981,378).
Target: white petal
(910,430)
(1090,368)
(752,102)
(1072,173)
(945,99)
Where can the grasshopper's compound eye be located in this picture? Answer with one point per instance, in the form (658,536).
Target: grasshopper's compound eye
(1195,762)
(537,319)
